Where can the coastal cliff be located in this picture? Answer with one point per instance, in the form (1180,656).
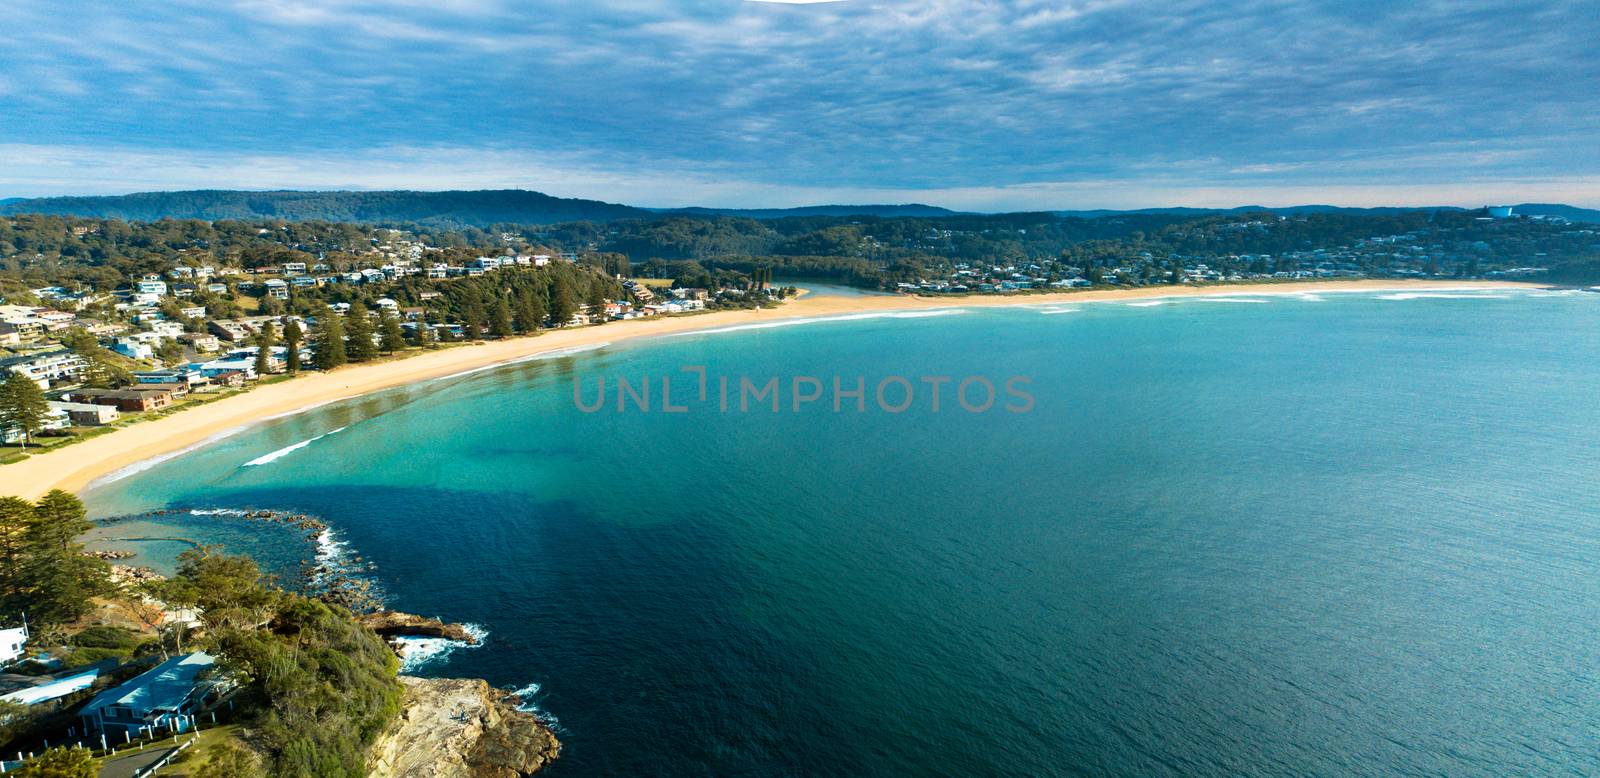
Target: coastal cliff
(461,728)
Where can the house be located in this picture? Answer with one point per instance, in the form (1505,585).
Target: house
(11,643)
(58,365)
(187,375)
(163,698)
(86,414)
(133,349)
(384,302)
(34,689)
(277,288)
(131,400)
(294,268)
(193,311)
(230,330)
(156,287)
(201,342)
(227,377)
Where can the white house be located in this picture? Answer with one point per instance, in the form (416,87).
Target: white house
(156,288)
(11,643)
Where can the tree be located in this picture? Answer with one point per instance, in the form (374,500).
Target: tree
(59,763)
(562,306)
(358,332)
(291,341)
(597,300)
(500,319)
(472,321)
(529,312)
(265,340)
(170,352)
(23,408)
(43,571)
(330,352)
(99,371)
(16,519)
(59,579)
(390,337)
(424,335)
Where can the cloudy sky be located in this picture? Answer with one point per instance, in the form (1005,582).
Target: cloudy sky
(963,103)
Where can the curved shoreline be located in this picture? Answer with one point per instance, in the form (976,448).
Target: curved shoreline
(132,448)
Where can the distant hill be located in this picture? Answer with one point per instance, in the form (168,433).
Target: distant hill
(480,208)
(474,208)
(886,211)
(1571,213)
(1379,211)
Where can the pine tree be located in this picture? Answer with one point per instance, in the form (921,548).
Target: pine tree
(59,578)
(265,340)
(390,337)
(472,321)
(291,341)
(562,306)
(529,313)
(16,519)
(597,299)
(424,335)
(500,320)
(330,352)
(358,334)
(23,407)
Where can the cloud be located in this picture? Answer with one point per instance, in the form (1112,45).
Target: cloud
(939,96)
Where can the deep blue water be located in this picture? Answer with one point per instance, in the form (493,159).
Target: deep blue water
(1345,534)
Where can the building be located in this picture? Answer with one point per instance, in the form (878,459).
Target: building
(277,288)
(156,287)
(86,414)
(230,330)
(126,400)
(200,341)
(35,689)
(11,643)
(161,699)
(50,366)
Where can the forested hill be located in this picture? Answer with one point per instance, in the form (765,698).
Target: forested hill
(463,208)
(478,208)
(884,211)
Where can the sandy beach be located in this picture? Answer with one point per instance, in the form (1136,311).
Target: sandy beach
(75,466)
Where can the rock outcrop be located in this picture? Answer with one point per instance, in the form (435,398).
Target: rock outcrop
(461,728)
(394,624)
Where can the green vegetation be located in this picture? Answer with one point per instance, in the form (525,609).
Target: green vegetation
(43,572)
(59,763)
(317,687)
(23,407)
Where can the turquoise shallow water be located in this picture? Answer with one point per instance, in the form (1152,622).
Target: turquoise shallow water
(1338,534)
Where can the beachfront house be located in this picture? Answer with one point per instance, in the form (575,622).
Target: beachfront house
(86,414)
(126,400)
(11,642)
(163,699)
(42,369)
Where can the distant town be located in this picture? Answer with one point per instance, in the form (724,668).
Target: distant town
(112,321)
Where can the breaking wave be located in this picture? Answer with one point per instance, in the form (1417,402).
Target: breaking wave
(416,653)
(287,450)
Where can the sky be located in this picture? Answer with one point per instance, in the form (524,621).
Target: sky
(969,104)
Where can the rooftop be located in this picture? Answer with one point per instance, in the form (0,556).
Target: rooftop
(163,687)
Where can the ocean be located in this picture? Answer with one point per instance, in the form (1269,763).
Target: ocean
(1332,534)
